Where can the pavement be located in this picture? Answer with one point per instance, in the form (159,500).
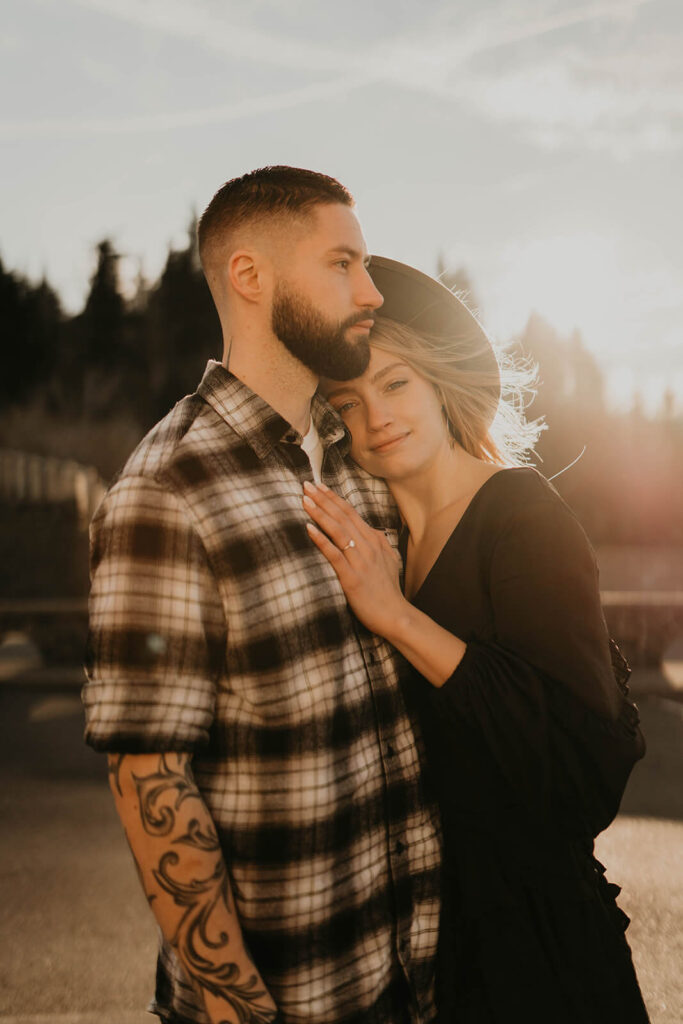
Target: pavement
(77,941)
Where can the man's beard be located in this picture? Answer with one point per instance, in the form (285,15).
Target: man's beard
(319,344)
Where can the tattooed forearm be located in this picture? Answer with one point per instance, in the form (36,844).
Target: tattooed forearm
(164,784)
(184,876)
(149,896)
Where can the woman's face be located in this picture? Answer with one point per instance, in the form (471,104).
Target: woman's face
(394,416)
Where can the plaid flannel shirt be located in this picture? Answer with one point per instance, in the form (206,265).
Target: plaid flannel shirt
(217,627)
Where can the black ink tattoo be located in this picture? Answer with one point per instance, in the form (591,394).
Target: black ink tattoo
(195,837)
(161,795)
(152,789)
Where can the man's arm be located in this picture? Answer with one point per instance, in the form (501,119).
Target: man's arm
(174,842)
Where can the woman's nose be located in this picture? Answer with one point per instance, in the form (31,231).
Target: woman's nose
(377,415)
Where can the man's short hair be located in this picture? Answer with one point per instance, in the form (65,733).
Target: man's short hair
(265,193)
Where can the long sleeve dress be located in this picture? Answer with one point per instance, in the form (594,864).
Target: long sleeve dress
(529,746)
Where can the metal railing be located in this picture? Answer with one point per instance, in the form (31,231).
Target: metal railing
(43,479)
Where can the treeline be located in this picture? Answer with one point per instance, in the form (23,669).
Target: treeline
(88,387)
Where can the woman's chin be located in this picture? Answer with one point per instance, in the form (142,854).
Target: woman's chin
(388,469)
(369,465)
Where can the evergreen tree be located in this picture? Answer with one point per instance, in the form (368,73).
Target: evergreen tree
(589,385)
(459,281)
(31,320)
(103,317)
(183,329)
(103,371)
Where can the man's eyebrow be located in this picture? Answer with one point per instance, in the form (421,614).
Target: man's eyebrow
(346,388)
(346,250)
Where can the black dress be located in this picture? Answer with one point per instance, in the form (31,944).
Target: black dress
(529,746)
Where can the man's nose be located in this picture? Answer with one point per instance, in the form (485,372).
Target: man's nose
(367,296)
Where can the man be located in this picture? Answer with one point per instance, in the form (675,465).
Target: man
(260,755)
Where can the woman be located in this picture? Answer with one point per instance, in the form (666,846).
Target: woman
(521,697)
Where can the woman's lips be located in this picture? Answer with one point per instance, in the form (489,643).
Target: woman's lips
(388,445)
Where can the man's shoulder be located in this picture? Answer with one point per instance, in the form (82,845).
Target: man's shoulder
(191,432)
(143,481)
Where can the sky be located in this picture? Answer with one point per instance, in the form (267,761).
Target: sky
(537,143)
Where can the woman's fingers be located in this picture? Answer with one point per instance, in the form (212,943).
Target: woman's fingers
(331,552)
(340,532)
(343,525)
(336,508)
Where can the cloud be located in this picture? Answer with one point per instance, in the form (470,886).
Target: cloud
(521,64)
(618,87)
(206,23)
(249,106)
(557,105)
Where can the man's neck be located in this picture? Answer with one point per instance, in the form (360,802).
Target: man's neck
(277,377)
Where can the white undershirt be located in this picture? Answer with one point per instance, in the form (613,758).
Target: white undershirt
(313,447)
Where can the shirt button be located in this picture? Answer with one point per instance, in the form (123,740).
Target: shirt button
(372,657)
(390,750)
(400,847)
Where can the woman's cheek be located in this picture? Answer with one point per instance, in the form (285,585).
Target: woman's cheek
(358,455)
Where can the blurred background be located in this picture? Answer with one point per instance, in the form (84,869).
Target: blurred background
(528,153)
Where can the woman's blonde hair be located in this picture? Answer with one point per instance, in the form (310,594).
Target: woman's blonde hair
(483,406)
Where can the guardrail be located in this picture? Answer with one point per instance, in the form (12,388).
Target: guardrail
(26,478)
(643,623)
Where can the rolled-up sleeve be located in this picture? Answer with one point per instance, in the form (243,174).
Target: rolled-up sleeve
(157,634)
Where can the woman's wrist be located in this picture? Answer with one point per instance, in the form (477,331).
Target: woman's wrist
(431,649)
(400,622)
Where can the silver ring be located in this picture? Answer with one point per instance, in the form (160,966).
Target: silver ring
(351,544)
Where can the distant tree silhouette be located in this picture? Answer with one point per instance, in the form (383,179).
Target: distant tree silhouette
(589,385)
(182,328)
(625,487)
(105,309)
(103,368)
(667,409)
(31,319)
(570,393)
(111,363)
(458,281)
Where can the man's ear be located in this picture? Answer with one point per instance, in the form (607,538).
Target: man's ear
(244,275)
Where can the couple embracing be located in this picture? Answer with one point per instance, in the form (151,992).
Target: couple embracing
(347,659)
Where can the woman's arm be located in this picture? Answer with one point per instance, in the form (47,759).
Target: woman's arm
(368,570)
(430,648)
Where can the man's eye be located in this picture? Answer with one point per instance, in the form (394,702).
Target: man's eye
(343,264)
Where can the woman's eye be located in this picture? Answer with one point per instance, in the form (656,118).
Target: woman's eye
(396,384)
(341,409)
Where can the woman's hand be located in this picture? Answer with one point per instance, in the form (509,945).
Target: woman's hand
(368,568)
(365,562)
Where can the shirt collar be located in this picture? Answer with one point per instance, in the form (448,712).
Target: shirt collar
(256,422)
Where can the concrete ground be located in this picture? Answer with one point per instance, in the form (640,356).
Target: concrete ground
(77,941)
